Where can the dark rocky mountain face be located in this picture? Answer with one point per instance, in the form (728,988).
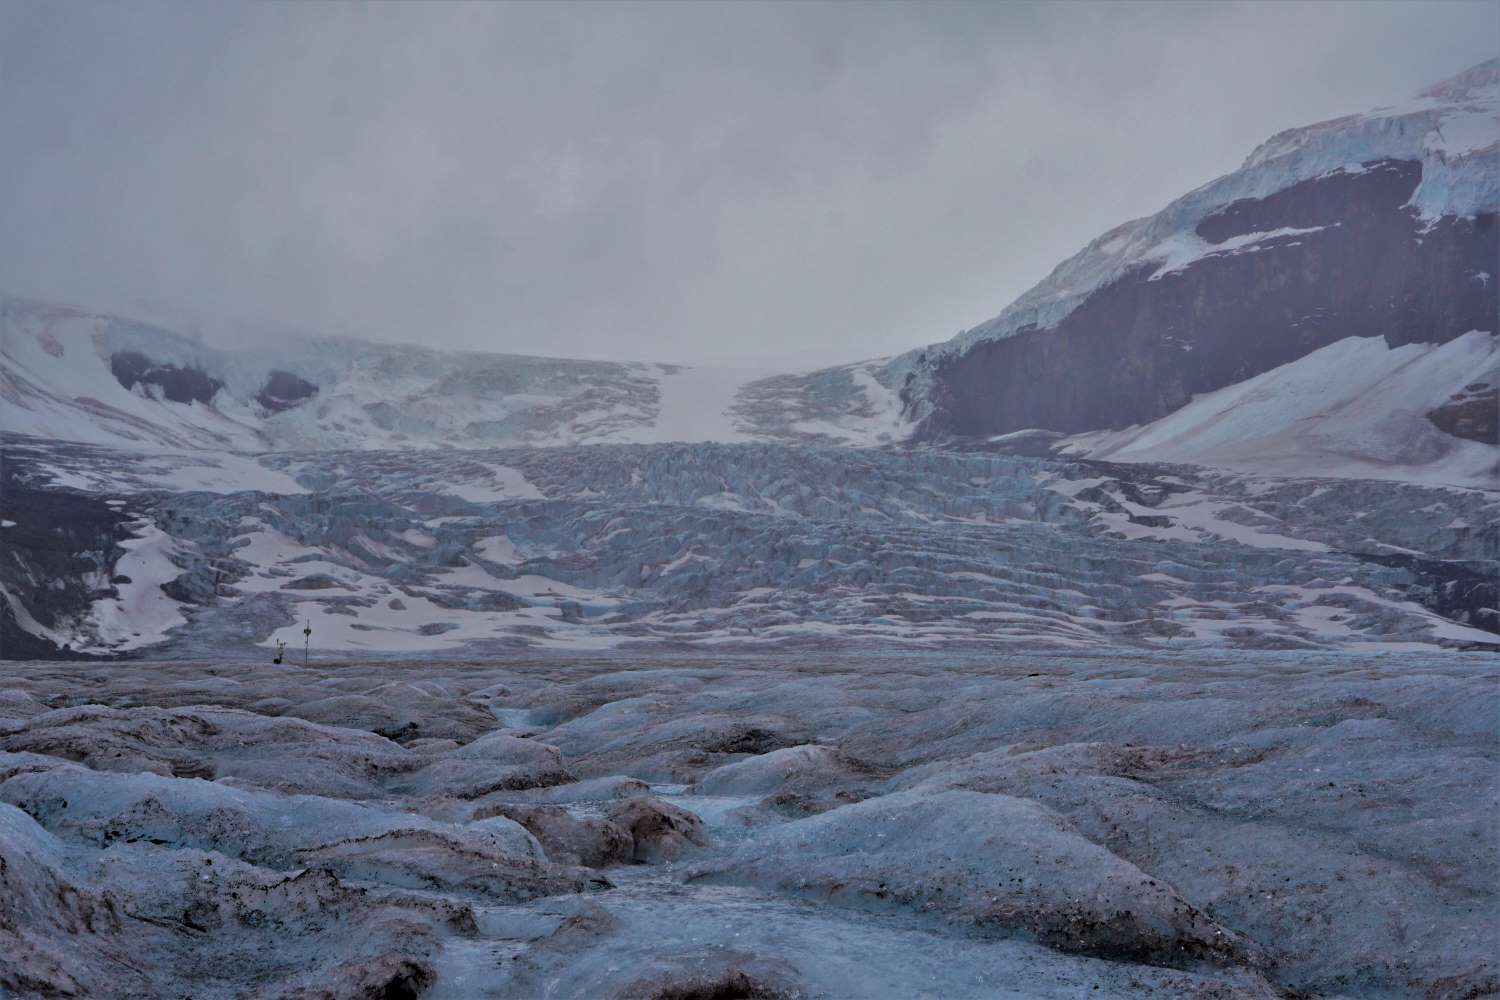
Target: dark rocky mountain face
(59,547)
(177,384)
(1473,414)
(1142,346)
(283,390)
(1467,592)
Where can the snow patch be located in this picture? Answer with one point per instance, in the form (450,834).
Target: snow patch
(1355,408)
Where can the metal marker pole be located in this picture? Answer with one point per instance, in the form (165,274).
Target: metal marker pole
(306,644)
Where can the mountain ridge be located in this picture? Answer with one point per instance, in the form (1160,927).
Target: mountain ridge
(1373,225)
(1379,225)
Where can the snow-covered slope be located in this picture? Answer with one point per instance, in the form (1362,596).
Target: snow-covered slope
(56,382)
(1354,408)
(64,375)
(73,375)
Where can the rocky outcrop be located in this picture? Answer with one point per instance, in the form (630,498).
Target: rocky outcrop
(176,383)
(314,581)
(1473,414)
(70,540)
(283,390)
(1462,592)
(1274,279)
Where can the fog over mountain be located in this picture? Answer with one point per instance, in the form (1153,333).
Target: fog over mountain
(782,184)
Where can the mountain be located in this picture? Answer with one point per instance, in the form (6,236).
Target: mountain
(76,375)
(1264,417)
(1374,231)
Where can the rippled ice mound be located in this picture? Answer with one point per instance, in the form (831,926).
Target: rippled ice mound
(892,823)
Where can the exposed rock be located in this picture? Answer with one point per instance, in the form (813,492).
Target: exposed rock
(659,831)
(313,581)
(65,537)
(283,390)
(1473,414)
(1143,345)
(179,384)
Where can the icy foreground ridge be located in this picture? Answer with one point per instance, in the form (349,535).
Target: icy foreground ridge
(748,545)
(1260,826)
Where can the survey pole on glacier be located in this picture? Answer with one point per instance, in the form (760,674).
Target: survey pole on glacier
(306,643)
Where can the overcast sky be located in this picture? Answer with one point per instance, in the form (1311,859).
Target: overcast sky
(683,182)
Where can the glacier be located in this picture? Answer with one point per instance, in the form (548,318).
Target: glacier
(888,822)
(743,545)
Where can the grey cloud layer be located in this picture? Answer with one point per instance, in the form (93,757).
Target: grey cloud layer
(678,182)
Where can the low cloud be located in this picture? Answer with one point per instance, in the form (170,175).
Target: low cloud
(806,183)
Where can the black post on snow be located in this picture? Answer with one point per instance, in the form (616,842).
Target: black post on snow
(306,643)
